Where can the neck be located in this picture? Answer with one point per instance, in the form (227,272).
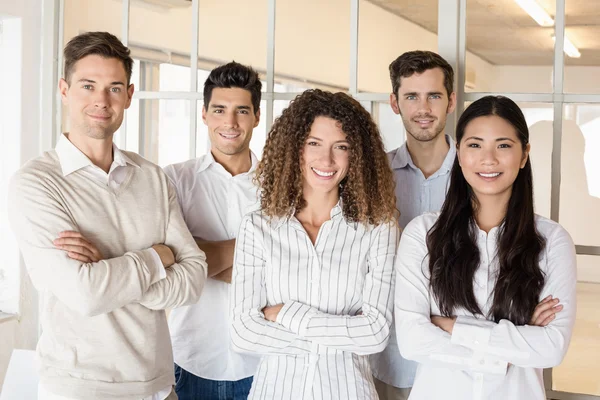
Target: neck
(491,210)
(318,207)
(99,151)
(235,163)
(428,156)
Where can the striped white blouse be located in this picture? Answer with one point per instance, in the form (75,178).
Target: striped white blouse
(337,296)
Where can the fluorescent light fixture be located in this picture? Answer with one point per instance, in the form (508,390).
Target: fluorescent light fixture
(536,12)
(569,48)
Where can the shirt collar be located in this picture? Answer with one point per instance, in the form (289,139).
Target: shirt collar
(335,214)
(402,157)
(209,160)
(72,159)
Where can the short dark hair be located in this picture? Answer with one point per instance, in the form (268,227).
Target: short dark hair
(417,62)
(234,75)
(103,44)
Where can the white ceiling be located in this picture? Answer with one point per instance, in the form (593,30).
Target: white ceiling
(502,33)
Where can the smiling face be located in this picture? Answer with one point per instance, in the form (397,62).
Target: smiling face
(230,118)
(423,103)
(96,96)
(325,157)
(491,155)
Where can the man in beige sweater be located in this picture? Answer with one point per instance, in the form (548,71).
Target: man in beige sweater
(104,242)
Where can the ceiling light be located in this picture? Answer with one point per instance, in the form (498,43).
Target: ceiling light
(569,48)
(536,12)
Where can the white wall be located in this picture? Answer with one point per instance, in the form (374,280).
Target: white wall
(23,333)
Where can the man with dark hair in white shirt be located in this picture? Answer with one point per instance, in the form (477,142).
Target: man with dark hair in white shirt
(104,242)
(423,95)
(215,191)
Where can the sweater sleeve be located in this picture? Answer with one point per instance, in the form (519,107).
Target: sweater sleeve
(185,279)
(37,215)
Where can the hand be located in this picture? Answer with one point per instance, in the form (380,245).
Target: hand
(545,312)
(444,323)
(224,276)
(166,254)
(271,312)
(78,247)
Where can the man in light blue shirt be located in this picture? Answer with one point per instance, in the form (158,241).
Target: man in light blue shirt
(422,94)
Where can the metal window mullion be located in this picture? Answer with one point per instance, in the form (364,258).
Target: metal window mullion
(462,60)
(354,18)
(125,39)
(270,63)
(448,42)
(194,77)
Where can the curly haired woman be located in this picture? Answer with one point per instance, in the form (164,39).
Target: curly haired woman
(313,269)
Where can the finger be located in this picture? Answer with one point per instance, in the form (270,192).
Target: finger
(73,241)
(70,234)
(546,314)
(84,251)
(79,257)
(547,320)
(542,307)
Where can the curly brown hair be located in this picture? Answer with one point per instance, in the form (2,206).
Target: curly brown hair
(367,191)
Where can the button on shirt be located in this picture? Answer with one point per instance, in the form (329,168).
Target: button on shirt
(337,304)
(71,160)
(482,359)
(415,195)
(213,204)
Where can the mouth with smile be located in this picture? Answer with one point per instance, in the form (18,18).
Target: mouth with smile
(322,174)
(489,176)
(99,117)
(229,135)
(424,122)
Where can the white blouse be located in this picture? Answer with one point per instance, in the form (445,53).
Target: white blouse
(481,359)
(337,296)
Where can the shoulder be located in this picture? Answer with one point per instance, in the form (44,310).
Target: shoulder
(184,170)
(552,231)
(422,224)
(38,172)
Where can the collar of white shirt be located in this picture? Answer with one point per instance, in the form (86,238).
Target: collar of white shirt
(208,160)
(402,157)
(335,214)
(72,159)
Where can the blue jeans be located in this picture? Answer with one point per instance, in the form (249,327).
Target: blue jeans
(191,387)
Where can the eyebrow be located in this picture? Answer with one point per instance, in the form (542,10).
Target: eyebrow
(92,81)
(221,106)
(416,93)
(497,140)
(320,140)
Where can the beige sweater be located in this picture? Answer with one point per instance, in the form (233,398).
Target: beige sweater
(105,335)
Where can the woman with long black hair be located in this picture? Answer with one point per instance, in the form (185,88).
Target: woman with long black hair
(470,278)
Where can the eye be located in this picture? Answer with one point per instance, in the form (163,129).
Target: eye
(504,146)
(435,96)
(411,97)
(244,112)
(87,87)
(312,143)
(343,147)
(218,111)
(115,89)
(473,145)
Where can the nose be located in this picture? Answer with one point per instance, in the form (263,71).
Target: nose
(488,156)
(101,99)
(326,156)
(230,119)
(424,105)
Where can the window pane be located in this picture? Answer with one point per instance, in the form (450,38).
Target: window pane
(579,371)
(312,44)
(583,30)
(233,30)
(388,29)
(161,35)
(166,126)
(580,183)
(390,125)
(507,50)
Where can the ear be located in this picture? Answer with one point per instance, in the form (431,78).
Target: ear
(204,115)
(525,155)
(257,116)
(451,103)
(130,90)
(63,88)
(458,154)
(394,104)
